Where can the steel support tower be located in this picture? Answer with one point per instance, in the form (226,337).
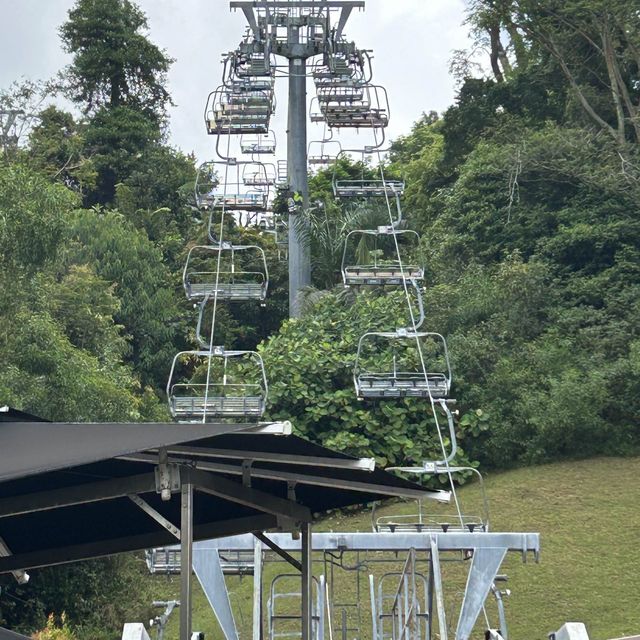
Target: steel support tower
(261,15)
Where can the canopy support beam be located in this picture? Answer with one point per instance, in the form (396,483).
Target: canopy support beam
(160,538)
(281,552)
(248,497)
(79,494)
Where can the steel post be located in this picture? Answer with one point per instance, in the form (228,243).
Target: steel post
(257,590)
(307,580)
(186,558)
(299,258)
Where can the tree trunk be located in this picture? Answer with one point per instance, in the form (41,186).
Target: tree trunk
(519,47)
(609,59)
(494,35)
(115,94)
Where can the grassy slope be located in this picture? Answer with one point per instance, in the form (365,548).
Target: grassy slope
(588,513)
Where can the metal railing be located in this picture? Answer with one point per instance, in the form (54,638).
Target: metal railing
(408,620)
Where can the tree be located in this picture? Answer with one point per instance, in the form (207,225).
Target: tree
(20,106)
(118,76)
(592,43)
(117,138)
(123,256)
(309,365)
(114,63)
(57,147)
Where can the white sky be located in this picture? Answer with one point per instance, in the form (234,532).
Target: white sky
(412,42)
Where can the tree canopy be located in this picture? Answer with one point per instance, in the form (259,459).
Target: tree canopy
(114,63)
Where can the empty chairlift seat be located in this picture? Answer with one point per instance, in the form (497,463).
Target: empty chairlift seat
(339,92)
(217,384)
(370,257)
(241,112)
(323,152)
(259,174)
(237,186)
(258,144)
(206,183)
(473,515)
(370,111)
(240,198)
(250,85)
(390,365)
(367,188)
(242,274)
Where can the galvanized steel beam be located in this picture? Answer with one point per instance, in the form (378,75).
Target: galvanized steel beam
(306,478)
(156,515)
(281,552)
(186,558)
(523,543)
(209,573)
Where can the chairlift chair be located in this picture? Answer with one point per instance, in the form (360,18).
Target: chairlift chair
(238,198)
(283,174)
(365,187)
(389,365)
(370,257)
(206,182)
(222,385)
(259,144)
(371,112)
(244,186)
(474,519)
(369,188)
(315,112)
(252,58)
(259,174)
(247,112)
(339,91)
(278,228)
(250,85)
(243,273)
(323,152)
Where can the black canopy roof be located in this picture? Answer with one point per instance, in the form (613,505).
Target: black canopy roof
(75,491)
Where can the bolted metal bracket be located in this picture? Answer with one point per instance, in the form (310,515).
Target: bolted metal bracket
(20,575)
(158,517)
(246,473)
(167,477)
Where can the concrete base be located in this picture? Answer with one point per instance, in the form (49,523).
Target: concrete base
(570,631)
(134,631)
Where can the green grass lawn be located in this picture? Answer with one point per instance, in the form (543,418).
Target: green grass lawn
(588,515)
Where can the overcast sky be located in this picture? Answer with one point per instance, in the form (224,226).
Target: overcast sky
(412,42)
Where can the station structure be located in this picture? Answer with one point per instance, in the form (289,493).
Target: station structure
(399,571)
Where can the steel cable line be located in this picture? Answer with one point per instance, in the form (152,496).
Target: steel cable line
(415,330)
(215,290)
